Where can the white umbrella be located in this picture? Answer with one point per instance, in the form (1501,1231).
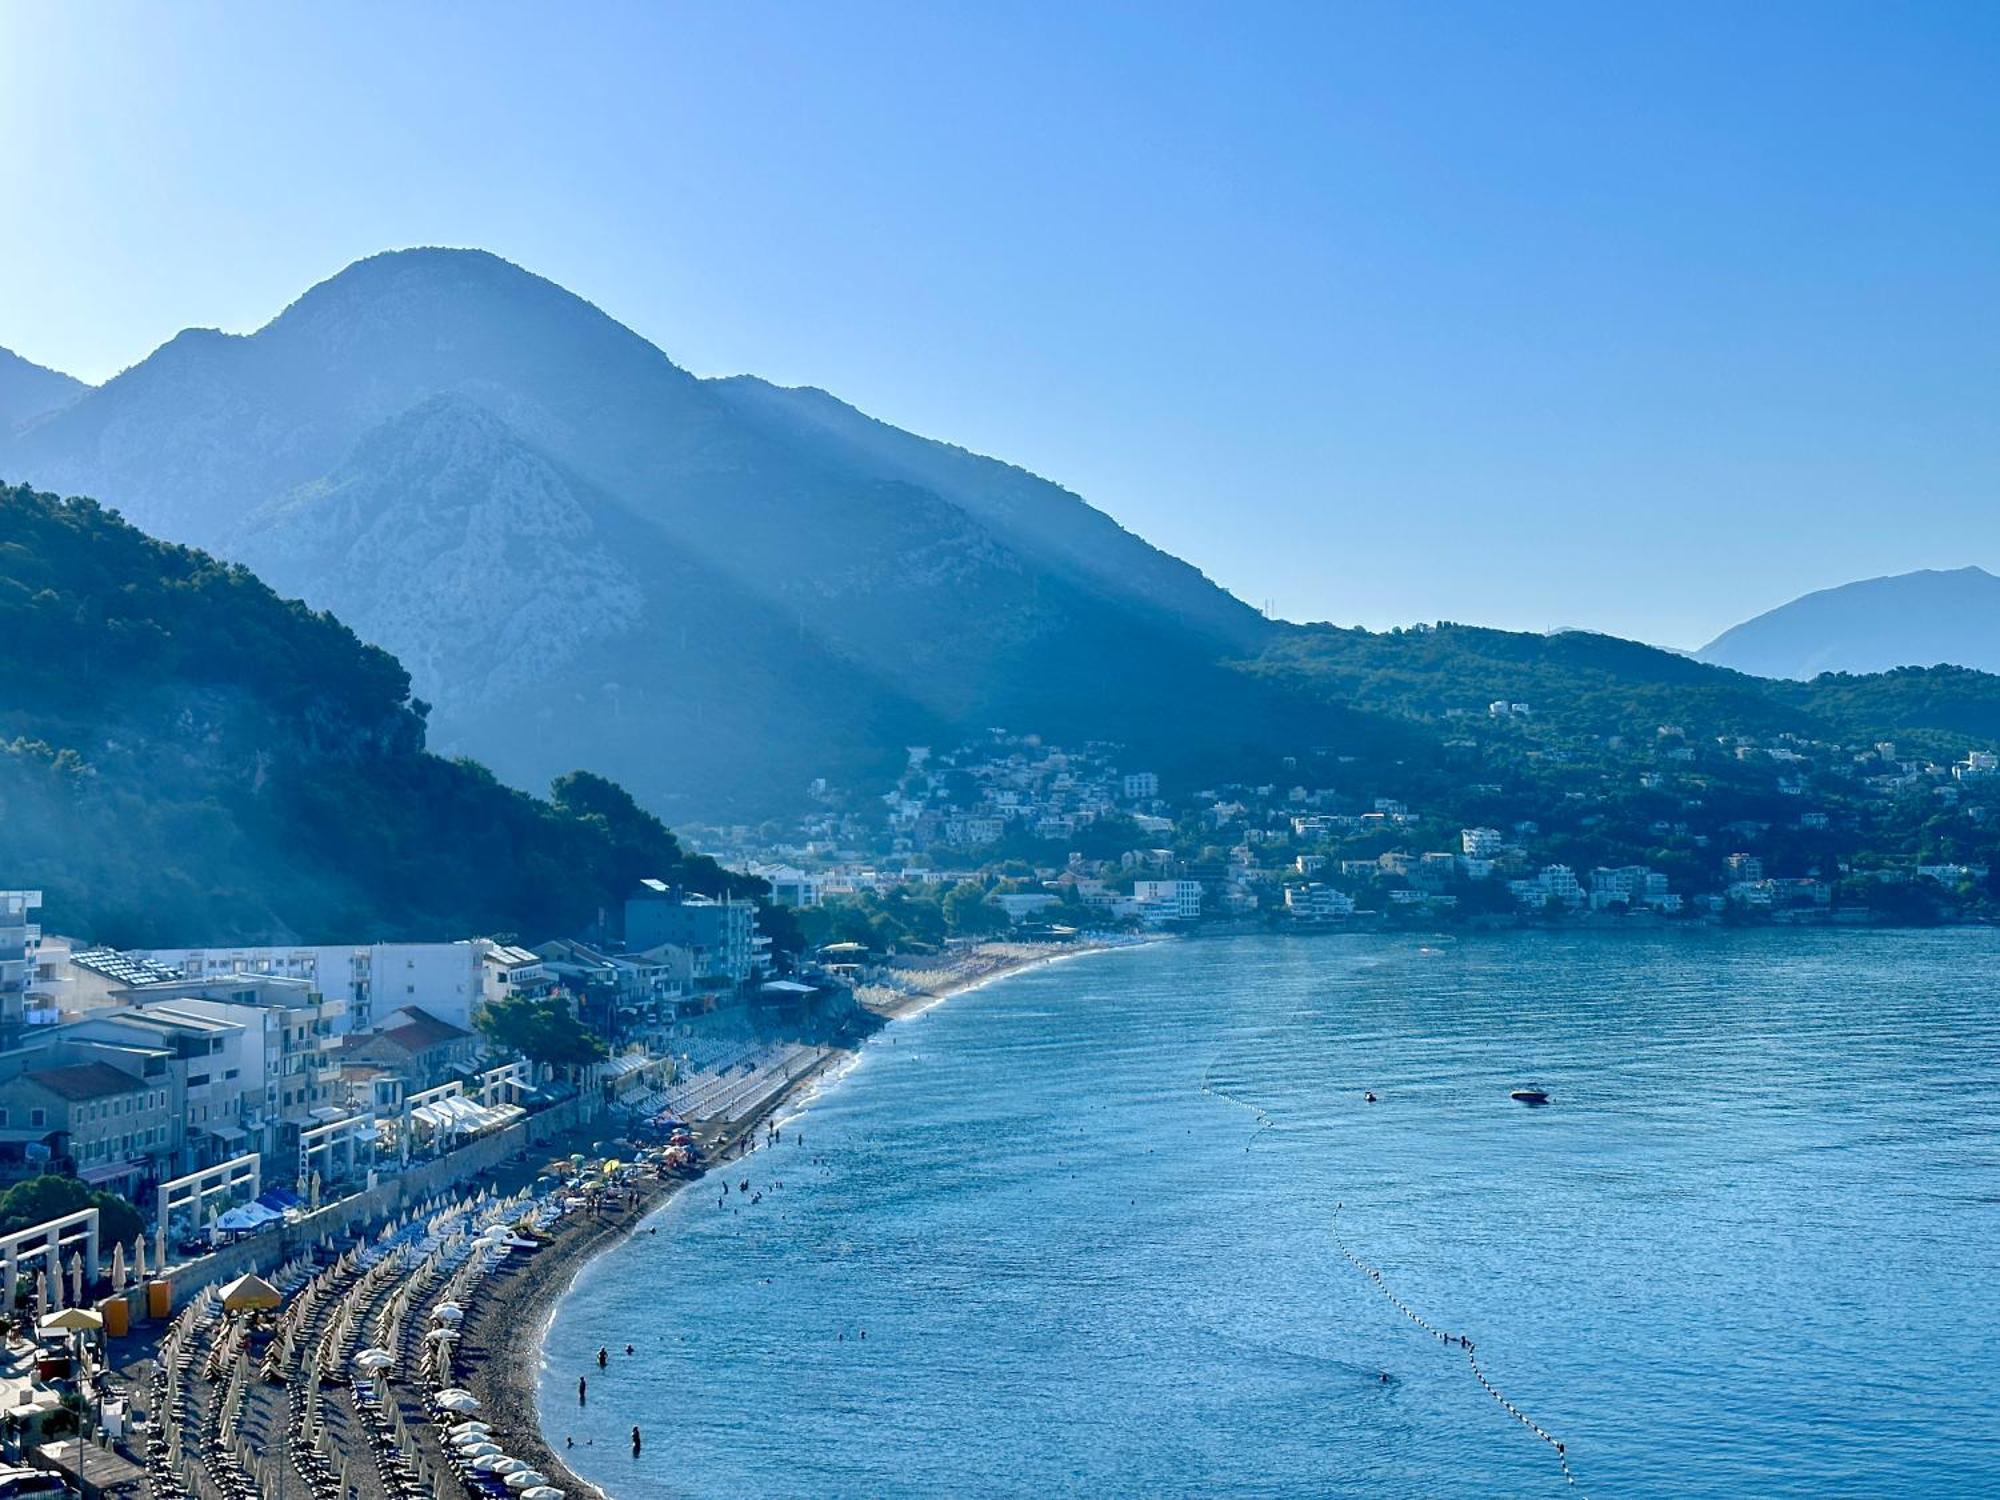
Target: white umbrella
(459,1402)
(42,1308)
(526,1479)
(469,1440)
(139,1257)
(374,1359)
(488,1463)
(448,1312)
(117,1268)
(504,1465)
(542,1492)
(442,1335)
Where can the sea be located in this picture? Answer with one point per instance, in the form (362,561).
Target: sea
(1128,1225)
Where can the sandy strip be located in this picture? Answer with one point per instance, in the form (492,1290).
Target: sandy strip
(500,1358)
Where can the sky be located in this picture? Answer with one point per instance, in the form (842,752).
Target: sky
(1634,318)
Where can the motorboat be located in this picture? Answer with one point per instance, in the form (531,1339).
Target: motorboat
(1530,1096)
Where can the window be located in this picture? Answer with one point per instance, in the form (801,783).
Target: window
(3,1117)
(38,1117)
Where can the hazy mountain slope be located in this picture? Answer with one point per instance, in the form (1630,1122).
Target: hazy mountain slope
(1593,687)
(526,603)
(186,757)
(1042,519)
(829,576)
(1911,619)
(28,391)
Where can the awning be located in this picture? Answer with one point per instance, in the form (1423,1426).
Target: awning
(111,1172)
(229,1133)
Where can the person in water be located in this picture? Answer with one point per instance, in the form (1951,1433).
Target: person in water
(603,1356)
(582,1390)
(636,1440)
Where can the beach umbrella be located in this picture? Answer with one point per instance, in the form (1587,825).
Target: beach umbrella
(251,1293)
(442,1335)
(526,1479)
(117,1268)
(459,1401)
(374,1359)
(48,1293)
(506,1465)
(71,1320)
(448,1312)
(478,1451)
(542,1492)
(138,1257)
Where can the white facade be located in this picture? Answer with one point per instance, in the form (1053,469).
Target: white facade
(1317,903)
(20,939)
(1168,900)
(1480,843)
(373,979)
(1140,785)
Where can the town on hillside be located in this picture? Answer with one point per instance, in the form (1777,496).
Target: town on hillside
(1513,827)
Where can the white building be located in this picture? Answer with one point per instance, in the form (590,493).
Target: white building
(1168,900)
(1481,843)
(1141,786)
(1317,903)
(1555,883)
(20,941)
(373,978)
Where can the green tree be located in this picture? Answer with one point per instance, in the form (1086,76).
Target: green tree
(967,912)
(542,1029)
(39,1199)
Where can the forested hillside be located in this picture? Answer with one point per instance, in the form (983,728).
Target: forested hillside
(185,757)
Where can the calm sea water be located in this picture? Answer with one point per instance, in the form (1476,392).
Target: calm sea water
(1084,1217)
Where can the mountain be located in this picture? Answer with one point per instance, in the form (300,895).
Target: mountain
(28,391)
(1598,689)
(186,757)
(710,589)
(1907,620)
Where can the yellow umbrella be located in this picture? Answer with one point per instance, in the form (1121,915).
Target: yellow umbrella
(72,1320)
(251,1294)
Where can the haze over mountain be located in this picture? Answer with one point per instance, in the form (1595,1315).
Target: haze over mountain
(713,590)
(1920,619)
(588,555)
(28,391)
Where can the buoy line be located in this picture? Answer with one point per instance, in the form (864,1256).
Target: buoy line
(1265,1120)
(1459,1341)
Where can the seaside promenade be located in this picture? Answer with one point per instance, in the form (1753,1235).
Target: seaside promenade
(397,1358)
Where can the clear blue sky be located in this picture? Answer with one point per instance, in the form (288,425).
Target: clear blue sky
(1639,318)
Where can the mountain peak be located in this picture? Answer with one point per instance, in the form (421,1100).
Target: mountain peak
(1924,618)
(29,390)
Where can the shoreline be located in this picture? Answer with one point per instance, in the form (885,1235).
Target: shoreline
(506,1330)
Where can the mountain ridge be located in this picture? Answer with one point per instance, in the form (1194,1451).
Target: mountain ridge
(951,590)
(1927,617)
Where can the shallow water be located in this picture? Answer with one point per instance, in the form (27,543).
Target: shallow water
(1084,1216)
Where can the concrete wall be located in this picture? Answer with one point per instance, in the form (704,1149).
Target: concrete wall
(393,1195)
